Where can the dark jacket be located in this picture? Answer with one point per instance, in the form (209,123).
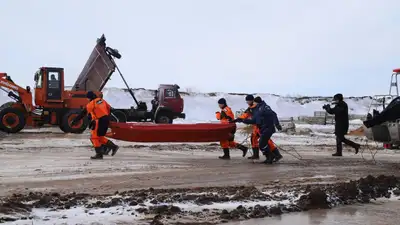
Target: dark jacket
(264,117)
(341,113)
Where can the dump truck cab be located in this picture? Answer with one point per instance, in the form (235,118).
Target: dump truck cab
(169,104)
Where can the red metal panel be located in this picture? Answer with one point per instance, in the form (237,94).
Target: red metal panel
(147,132)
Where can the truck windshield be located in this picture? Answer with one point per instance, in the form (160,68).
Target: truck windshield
(170,93)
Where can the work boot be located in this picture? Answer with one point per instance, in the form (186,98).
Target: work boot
(277,155)
(337,154)
(99,153)
(111,146)
(255,154)
(226,154)
(243,148)
(269,158)
(106,150)
(357,148)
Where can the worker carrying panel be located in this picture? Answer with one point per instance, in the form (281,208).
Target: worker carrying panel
(98,69)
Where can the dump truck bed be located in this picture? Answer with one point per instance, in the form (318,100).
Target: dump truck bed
(98,68)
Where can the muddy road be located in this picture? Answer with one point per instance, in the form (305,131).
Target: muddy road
(60,162)
(51,162)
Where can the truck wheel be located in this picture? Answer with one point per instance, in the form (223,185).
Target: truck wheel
(113,118)
(164,119)
(120,116)
(61,126)
(78,128)
(12,120)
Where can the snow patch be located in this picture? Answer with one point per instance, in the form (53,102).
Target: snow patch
(201,107)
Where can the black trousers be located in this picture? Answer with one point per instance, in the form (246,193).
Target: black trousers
(341,139)
(103,124)
(263,141)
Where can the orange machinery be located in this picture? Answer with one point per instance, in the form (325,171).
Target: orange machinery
(52,104)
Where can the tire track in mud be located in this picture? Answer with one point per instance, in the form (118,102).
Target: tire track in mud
(203,205)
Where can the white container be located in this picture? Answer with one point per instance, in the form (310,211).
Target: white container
(394,131)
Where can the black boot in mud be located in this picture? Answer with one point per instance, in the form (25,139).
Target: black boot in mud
(243,148)
(337,154)
(256,154)
(106,150)
(357,148)
(277,155)
(226,154)
(269,158)
(99,153)
(111,146)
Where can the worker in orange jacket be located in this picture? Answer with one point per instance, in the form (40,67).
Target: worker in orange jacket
(255,133)
(99,111)
(225,116)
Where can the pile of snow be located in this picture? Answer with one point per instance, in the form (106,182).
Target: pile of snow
(201,107)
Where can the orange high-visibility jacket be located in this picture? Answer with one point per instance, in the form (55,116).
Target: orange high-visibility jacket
(98,108)
(225,115)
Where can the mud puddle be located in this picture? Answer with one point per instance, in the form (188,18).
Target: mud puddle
(382,213)
(211,205)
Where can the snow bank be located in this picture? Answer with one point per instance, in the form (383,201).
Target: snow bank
(201,107)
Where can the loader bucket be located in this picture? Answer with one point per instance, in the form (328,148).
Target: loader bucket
(98,68)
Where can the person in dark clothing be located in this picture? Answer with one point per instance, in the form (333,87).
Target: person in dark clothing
(341,113)
(271,145)
(266,120)
(154,103)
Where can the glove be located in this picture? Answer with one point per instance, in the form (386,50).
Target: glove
(223,114)
(279,127)
(238,120)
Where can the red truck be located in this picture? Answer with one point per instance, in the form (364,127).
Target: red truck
(166,106)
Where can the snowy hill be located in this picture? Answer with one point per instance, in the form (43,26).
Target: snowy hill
(200,107)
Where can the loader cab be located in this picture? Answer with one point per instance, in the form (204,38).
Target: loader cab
(49,85)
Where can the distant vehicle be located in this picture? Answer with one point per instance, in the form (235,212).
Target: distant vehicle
(383,118)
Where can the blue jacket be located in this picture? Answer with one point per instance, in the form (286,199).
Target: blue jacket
(264,117)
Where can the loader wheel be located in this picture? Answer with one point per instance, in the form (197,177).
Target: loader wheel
(79,128)
(6,105)
(12,120)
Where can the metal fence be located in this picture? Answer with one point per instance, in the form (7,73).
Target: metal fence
(323,118)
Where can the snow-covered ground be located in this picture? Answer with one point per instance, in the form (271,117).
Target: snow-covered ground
(201,107)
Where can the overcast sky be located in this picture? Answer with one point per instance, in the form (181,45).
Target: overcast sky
(308,47)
